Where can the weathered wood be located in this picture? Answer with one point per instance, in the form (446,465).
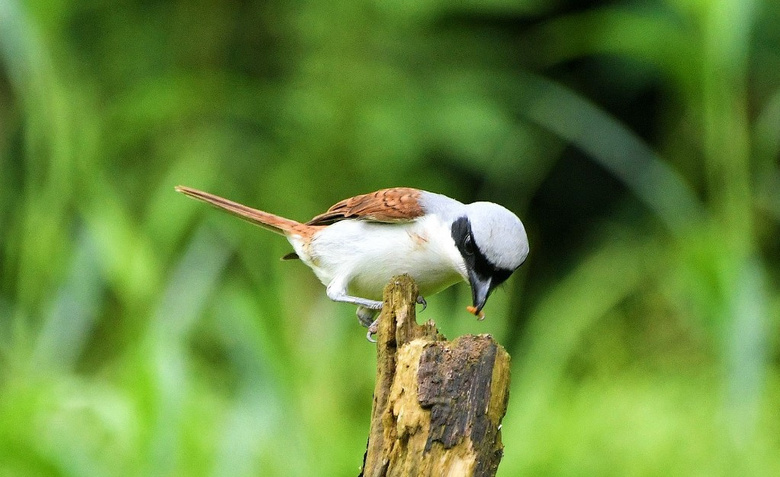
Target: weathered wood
(438,404)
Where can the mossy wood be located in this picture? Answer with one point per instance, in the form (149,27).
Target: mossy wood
(438,404)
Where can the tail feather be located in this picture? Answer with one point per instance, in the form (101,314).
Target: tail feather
(274,223)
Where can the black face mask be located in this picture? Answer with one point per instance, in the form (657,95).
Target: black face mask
(484,277)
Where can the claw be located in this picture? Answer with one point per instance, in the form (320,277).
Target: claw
(366,316)
(421,301)
(372,329)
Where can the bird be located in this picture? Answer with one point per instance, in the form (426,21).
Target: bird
(357,245)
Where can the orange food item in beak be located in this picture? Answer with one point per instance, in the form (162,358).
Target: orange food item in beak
(473,310)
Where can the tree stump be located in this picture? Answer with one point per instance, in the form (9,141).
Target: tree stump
(438,404)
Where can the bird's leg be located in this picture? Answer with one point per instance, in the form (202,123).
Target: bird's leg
(337,291)
(421,301)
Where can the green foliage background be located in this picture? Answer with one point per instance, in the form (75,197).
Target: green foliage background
(142,333)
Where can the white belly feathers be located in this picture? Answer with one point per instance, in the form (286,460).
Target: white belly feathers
(422,248)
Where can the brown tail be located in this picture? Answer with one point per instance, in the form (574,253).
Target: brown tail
(271,222)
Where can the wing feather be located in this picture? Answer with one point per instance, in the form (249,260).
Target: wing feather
(399,204)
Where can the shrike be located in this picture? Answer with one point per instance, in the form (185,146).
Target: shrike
(360,243)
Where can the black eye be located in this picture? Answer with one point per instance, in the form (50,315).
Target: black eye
(468,245)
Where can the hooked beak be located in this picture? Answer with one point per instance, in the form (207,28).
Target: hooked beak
(480,290)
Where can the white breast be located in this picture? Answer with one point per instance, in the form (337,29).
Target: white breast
(366,255)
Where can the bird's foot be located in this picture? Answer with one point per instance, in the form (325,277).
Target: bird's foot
(372,329)
(421,301)
(366,316)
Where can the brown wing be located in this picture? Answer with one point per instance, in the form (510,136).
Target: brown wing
(398,204)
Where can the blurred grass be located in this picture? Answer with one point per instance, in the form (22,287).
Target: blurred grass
(141,334)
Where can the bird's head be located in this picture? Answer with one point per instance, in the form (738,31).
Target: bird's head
(493,244)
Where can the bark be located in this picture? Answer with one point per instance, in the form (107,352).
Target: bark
(438,404)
